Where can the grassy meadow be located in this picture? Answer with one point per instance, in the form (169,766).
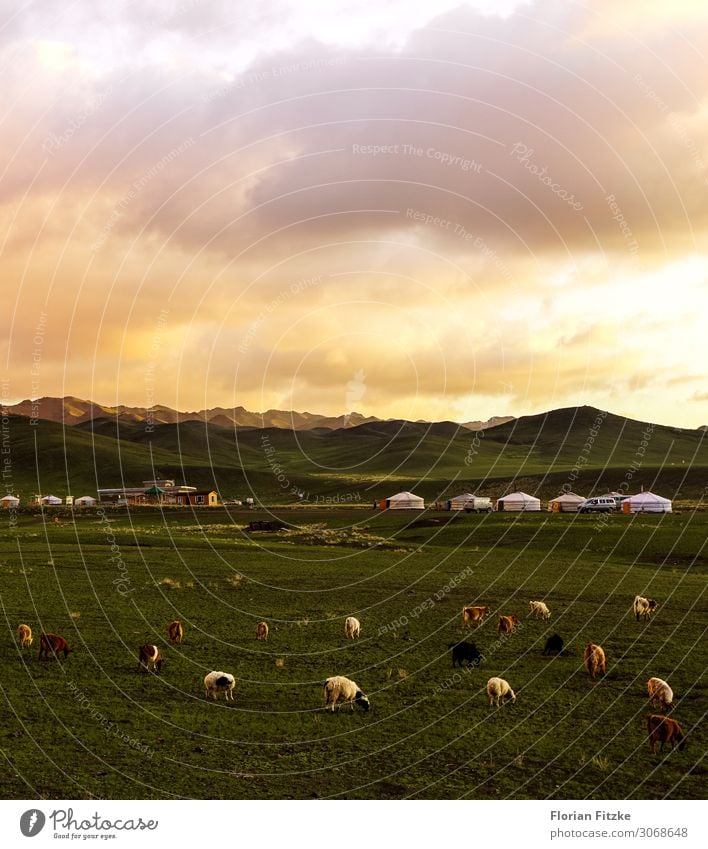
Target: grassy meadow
(93,726)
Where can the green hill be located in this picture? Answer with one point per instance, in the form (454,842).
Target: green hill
(581,448)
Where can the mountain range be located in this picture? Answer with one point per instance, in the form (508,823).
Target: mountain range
(74,411)
(578,448)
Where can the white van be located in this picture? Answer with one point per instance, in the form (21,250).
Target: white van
(603,504)
(478,505)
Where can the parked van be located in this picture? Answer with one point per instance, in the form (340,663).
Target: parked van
(602,504)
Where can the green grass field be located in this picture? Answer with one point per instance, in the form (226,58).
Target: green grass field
(111,584)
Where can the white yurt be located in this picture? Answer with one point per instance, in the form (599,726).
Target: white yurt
(85,501)
(405,501)
(9,501)
(519,502)
(51,500)
(646,502)
(459,502)
(565,503)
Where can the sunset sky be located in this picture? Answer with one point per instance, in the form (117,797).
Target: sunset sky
(409,209)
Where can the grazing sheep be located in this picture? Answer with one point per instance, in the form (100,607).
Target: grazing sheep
(660,693)
(24,636)
(644,607)
(219,682)
(663,729)
(594,657)
(554,645)
(352,627)
(262,631)
(51,644)
(149,656)
(507,624)
(539,610)
(499,691)
(341,689)
(468,652)
(472,614)
(175,632)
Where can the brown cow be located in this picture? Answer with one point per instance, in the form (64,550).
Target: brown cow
(52,644)
(149,656)
(24,635)
(262,631)
(663,729)
(507,624)
(175,631)
(594,657)
(472,614)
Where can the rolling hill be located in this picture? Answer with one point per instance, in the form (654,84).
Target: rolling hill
(581,448)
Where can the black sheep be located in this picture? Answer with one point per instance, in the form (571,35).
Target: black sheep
(554,645)
(465,652)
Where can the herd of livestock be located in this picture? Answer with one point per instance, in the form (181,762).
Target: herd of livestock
(339,689)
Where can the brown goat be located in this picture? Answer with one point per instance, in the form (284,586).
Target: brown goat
(663,729)
(594,657)
(24,636)
(51,644)
(175,631)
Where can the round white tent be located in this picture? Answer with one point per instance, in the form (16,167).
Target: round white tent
(459,502)
(519,502)
(9,501)
(405,501)
(565,503)
(85,501)
(51,500)
(646,502)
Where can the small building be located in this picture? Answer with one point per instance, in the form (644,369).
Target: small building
(403,501)
(51,501)
(8,502)
(162,491)
(198,498)
(459,502)
(85,501)
(518,502)
(566,503)
(155,494)
(646,502)
(69,500)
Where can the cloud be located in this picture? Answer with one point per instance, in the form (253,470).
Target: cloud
(488,200)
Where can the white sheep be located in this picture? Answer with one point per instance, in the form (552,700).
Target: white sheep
(660,693)
(219,682)
(539,610)
(499,691)
(352,627)
(341,689)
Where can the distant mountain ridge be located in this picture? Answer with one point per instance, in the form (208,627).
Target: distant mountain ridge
(75,411)
(542,454)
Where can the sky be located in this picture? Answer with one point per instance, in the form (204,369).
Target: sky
(411,210)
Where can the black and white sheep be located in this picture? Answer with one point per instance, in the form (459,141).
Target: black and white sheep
(341,689)
(219,682)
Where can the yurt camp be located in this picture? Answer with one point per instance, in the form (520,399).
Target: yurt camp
(566,503)
(85,501)
(518,502)
(51,501)
(403,501)
(646,502)
(9,501)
